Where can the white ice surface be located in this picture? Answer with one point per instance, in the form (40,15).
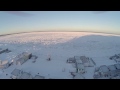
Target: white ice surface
(60,46)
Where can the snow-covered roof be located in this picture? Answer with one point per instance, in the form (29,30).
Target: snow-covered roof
(16,72)
(117,66)
(3,62)
(22,55)
(77,57)
(38,77)
(84,59)
(79,61)
(111,67)
(104,68)
(78,76)
(21,61)
(26,53)
(25,75)
(71,59)
(80,66)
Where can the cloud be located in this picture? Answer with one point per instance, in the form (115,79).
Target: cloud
(19,13)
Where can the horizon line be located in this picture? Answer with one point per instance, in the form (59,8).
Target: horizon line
(58,31)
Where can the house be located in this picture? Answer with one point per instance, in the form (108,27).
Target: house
(117,66)
(78,76)
(116,77)
(80,68)
(112,72)
(77,57)
(117,60)
(85,60)
(78,61)
(26,75)
(79,65)
(71,60)
(96,75)
(3,50)
(104,71)
(39,77)
(112,68)
(16,73)
(4,64)
(21,58)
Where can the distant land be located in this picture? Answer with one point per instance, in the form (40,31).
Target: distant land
(57,31)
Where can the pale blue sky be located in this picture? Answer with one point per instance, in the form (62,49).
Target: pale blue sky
(60,21)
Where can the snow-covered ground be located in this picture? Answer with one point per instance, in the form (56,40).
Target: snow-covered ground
(60,46)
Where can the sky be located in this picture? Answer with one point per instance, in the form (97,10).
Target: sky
(27,21)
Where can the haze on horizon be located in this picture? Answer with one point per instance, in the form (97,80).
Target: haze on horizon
(27,21)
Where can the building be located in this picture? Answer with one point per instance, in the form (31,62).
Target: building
(77,60)
(79,65)
(21,58)
(108,72)
(4,64)
(117,66)
(71,60)
(117,60)
(3,50)
(112,71)
(112,68)
(77,57)
(16,73)
(80,68)
(85,61)
(96,75)
(26,75)
(104,71)
(39,77)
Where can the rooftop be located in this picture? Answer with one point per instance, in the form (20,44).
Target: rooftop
(22,55)
(77,57)
(104,68)
(79,61)
(3,62)
(71,59)
(26,53)
(117,66)
(111,67)
(84,59)
(80,66)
